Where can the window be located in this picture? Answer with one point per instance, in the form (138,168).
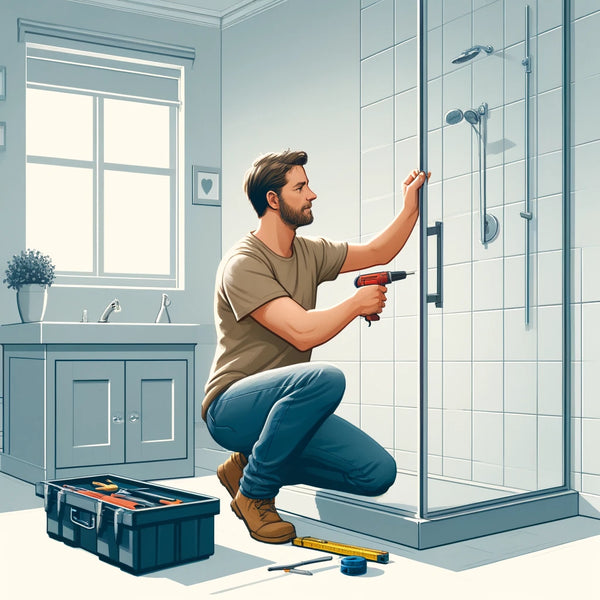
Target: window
(103,134)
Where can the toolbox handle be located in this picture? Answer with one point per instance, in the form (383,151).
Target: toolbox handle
(75,518)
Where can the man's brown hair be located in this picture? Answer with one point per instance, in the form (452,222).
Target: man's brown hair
(268,173)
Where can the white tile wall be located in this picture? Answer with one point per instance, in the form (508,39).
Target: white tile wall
(590,288)
(550,277)
(377,28)
(488,280)
(405,20)
(406,384)
(377,383)
(377,77)
(491,374)
(456,388)
(457,336)
(520,443)
(407,427)
(520,387)
(488,386)
(457,434)
(550,333)
(549,377)
(378,422)
(377,125)
(488,335)
(520,341)
(405,71)
(550,451)
(488,438)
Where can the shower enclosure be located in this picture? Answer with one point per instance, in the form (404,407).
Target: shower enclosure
(475,355)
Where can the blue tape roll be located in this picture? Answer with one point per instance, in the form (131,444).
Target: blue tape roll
(354,565)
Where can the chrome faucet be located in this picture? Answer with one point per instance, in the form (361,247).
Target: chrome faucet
(113,306)
(163,315)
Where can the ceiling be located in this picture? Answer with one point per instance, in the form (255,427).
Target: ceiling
(218,13)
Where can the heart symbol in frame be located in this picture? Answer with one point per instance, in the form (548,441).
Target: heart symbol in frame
(206,185)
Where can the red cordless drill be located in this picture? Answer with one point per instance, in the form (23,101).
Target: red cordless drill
(379,278)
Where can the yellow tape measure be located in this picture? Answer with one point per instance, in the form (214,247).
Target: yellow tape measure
(310,542)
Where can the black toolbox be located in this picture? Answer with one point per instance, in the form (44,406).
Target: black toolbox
(164,526)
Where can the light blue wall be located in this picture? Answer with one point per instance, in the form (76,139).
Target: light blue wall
(203,147)
(291,80)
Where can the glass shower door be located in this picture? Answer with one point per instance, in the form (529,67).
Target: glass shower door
(494,338)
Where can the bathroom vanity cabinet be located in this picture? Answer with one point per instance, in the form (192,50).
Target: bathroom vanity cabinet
(79,402)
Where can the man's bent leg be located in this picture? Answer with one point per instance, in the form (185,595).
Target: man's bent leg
(342,457)
(271,416)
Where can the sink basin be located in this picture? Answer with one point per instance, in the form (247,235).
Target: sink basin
(48,332)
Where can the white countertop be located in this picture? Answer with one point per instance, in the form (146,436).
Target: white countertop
(47,332)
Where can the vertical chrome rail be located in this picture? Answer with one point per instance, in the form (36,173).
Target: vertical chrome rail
(526,214)
(422,468)
(566,313)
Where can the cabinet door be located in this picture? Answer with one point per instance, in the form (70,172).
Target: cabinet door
(90,415)
(156,416)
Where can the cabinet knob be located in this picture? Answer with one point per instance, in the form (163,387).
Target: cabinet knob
(133,417)
(117,419)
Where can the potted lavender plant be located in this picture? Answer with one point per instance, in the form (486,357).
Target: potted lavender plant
(30,273)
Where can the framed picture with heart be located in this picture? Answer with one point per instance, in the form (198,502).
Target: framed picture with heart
(206,186)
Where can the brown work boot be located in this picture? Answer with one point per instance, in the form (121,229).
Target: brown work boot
(262,520)
(230,472)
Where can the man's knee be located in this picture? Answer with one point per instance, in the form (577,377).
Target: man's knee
(378,477)
(328,381)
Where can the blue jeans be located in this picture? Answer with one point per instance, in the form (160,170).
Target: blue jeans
(282,420)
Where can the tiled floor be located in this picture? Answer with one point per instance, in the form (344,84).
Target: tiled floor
(556,560)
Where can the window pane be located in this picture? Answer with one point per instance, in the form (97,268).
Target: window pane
(137,223)
(60,206)
(136,133)
(60,125)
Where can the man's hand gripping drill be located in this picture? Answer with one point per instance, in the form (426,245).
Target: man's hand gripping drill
(380,279)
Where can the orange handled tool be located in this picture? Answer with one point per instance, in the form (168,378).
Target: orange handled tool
(104,497)
(379,278)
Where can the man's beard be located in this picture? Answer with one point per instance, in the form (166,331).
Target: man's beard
(292,217)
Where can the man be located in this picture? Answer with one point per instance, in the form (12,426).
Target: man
(264,400)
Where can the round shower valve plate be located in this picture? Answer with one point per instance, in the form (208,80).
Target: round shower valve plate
(492,228)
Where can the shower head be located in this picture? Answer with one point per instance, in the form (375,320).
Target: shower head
(471,116)
(471,53)
(454,116)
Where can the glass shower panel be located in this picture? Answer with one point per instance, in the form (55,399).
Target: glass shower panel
(495,410)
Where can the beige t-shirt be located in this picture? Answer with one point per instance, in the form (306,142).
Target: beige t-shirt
(249,276)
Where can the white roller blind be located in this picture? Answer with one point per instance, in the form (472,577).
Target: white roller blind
(60,68)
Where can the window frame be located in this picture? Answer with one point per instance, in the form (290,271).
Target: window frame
(175,171)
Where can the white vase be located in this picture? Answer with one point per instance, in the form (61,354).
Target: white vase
(31,302)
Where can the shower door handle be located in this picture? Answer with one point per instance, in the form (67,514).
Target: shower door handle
(437,230)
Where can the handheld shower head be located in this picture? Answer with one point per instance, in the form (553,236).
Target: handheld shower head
(471,53)
(471,116)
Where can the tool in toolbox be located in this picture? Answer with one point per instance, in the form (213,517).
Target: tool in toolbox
(104,497)
(379,556)
(139,495)
(292,568)
(109,486)
(379,278)
(142,493)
